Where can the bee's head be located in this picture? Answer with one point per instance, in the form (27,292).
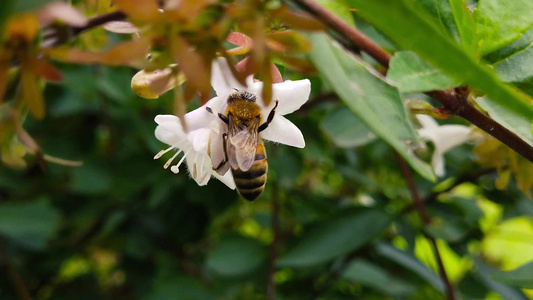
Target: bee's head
(241,95)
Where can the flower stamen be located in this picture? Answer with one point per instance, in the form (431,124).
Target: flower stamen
(176,168)
(169,161)
(162,152)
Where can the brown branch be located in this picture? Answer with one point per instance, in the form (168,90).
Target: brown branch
(455,103)
(57,35)
(419,204)
(273,253)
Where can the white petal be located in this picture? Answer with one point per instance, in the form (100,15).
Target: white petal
(227,179)
(283,131)
(427,121)
(437,160)
(199,166)
(199,139)
(291,95)
(446,137)
(198,118)
(169,130)
(222,79)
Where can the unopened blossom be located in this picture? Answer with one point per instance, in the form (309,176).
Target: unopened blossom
(444,138)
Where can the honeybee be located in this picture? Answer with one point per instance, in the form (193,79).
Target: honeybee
(243,147)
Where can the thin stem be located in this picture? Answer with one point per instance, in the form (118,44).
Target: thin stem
(419,204)
(273,253)
(455,103)
(16,279)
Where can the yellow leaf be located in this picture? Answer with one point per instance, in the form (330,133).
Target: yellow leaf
(31,93)
(23,26)
(140,10)
(193,65)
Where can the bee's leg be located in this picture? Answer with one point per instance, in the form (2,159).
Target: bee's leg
(225,160)
(223,118)
(269,118)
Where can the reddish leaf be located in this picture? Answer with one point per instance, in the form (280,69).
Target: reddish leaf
(192,65)
(244,42)
(122,54)
(235,71)
(63,12)
(31,92)
(179,9)
(275,73)
(4,78)
(46,70)
(140,10)
(127,52)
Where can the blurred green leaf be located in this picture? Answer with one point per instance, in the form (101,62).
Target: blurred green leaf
(27,5)
(484,272)
(412,74)
(29,224)
(376,103)
(411,30)
(179,288)
(376,277)
(518,124)
(501,22)
(339,8)
(449,231)
(521,277)
(345,129)
(337,236)
(465,25)
(236,255)
(90,180)
(410,262)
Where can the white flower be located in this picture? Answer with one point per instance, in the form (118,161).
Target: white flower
(192,145)
(201,147)
(291,95)
(444,138)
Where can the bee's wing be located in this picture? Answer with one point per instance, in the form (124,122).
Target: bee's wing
(243,145)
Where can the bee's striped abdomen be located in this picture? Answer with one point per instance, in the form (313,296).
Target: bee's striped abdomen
(251,183)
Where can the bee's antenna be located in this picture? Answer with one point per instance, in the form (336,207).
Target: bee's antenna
(236,89)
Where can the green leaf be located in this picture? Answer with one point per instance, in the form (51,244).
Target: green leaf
(337,236)
(466,25)
(345,129)
(500,22)
(90,180)
(440,13)
(410,262)
(516,68)
(483,274)
(236,255)
(376,277)
(29,224)
(413,31)
(518,124)
(412,74)
(376,103)
(523,42)
(520,277)
(339,8)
